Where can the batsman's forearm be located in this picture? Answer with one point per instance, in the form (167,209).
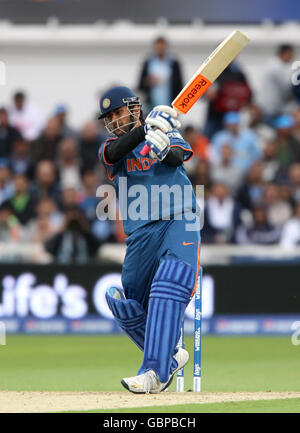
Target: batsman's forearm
(175,157)
(117,149)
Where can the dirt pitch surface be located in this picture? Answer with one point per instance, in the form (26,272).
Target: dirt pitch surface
(12,401)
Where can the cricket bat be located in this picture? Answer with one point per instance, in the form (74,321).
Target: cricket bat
(208,72)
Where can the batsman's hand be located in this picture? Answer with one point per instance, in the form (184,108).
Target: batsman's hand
(163,117)
(159,144)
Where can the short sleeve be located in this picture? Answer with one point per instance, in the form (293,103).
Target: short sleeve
(176,140)
(111,169)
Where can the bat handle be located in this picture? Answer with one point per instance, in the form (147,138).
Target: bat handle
(146,149)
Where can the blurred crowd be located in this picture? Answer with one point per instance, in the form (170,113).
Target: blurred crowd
(247,156)
(49,174)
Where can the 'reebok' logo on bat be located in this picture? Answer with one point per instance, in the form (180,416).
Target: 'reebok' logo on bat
(187,99)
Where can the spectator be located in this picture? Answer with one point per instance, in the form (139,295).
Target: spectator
(278,211)
(276,86)
(296,128)
(254,121)
(288,148)
(20,159)
(7,187)
(199,142)
(89,143)
(270,162)
(259,232)
(9,225)
(243,142)
(88,200)
(74,243)
(252,189)
(70,200)
(230,92)
(45,184)
(46,224)
(25,117)
(201,175)
(160,77)
(221,215)
(290,236)
(22,203)
(285,193)
(200,145)
(8,134)
(49,208)
(108,231)
(102,230)
(294,178)
(69,164)
(45,147)
(226,172)
(61,114)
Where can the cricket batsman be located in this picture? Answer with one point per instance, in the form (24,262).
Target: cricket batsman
(160,269)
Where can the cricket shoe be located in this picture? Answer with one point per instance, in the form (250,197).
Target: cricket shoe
(149,382)
(182,357)
(143,383)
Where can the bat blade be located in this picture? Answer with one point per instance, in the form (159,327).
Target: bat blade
(209,71)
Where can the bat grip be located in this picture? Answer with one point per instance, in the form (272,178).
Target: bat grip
(146,149)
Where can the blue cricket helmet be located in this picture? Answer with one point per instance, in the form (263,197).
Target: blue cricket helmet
(115,98)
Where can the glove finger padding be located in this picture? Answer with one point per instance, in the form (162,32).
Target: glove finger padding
(167,109)
(159,143)
(164,118)
(171,111)
(163,124)
(160,123)
(163,136)
(177,124)
(158,138)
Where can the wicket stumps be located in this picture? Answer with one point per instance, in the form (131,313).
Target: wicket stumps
(197,334)
(180,373)
(197,341)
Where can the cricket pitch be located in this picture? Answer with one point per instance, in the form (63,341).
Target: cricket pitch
(36,401)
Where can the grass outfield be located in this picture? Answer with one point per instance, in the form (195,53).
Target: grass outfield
(72,363)
(87,363)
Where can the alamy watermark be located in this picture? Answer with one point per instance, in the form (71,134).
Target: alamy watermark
(2,334)
(296,335)
(2,74)
(157,202)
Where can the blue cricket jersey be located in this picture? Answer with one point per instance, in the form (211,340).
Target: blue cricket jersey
(140,182)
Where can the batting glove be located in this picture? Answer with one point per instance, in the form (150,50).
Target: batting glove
(163,117)
(159,144)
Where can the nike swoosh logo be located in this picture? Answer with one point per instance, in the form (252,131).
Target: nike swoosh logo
(187,243)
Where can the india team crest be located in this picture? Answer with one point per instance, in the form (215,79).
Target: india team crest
(106,103)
